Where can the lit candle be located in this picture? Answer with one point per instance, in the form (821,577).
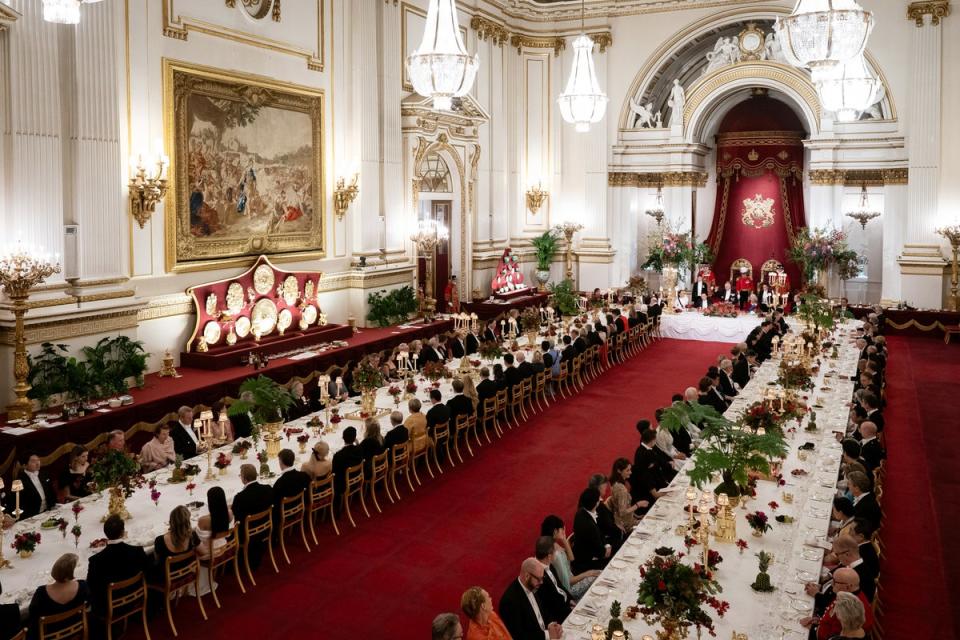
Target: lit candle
(17,486)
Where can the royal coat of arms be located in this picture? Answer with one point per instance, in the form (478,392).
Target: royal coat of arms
(758,212)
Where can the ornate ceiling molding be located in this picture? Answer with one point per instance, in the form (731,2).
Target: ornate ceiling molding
(521,41)
(936,9)
(486,28)
(536,11)
(657,179)
(859,177)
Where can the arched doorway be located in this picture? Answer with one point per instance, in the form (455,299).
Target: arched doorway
(435,206)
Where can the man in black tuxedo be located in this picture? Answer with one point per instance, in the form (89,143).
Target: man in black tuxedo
(490,333)
(458,405)
(555,601)
(472,343)
(456,346)
(524,367)
(242,423)
(38,494)
(486,389)
(398,433)
(727,387)
(764,343)
(709,397)
(186,441)
(741,368)
(569,351)
(432,352)
(511,374)
(520,610)
(864,501)
(589,549)
(755,334)
(116,562)
(871,450)
(871,403)
(253,498)
(291,482)
(438,412)
(349,456)
(301,403)
(647,477)
(699,292)
(579,342)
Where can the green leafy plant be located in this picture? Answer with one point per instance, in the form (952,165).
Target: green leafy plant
(116,469)
(545,247)
(387,308)
(48,373)
(113,360)
(268,400)
(564,297)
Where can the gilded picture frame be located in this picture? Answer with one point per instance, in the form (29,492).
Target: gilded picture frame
(247,169)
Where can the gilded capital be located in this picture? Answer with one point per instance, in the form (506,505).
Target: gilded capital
(486,28)
(936,9)
(520,41)
(602,40)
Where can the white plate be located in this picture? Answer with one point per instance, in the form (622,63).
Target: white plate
(576,620)
(242,326)
(801,605)
(284,320)
(618,564)
(806,576)
(599,591)
(310,314)
(211,332)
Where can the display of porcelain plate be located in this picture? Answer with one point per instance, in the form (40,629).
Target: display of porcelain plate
(211,332)
(284,320)
(310,314)
(291,290)
(235,298)
(264,316)
(263,279)
(242,326)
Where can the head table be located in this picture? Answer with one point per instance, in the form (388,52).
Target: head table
(797,547)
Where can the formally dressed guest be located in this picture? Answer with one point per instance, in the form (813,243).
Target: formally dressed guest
(579,342)
(709,396)
(471,393)
(75,479)
(576,584)
(871,451)
(824,623)
(291,482)
(851,613)
(433,352)
(210,527)
(459,404)
(699,293)
(116,562)
(179,538)
(10,624)
(727,294)
(620,503)
(416,424)
(569,351)
(254,497)
(241,422)
(864,501)
(186,441)
(456,346)
(612,534)
(871,403)
(398,432)
(336,389)
(490,333)
(519,608)
(524,367)
(647,476)
(317,466)
(682,301)
(590,550)
(861,531)
(847,552)
(499,376)
(63,594)
(438,412)
(842,514)
(728,387)
(372,443)
(159,451)
(38,494)
(117,441)
(550,350)
(483,623)
(472,343)
(555,601)
(302,404)
(511,374)
(446,626)
(349,456)
(741,368)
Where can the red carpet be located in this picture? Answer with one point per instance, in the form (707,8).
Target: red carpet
(389,577)
(920,576)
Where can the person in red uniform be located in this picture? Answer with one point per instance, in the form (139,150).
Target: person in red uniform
(451,296)
(744,287)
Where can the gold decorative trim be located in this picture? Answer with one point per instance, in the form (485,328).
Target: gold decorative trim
(859,177)
(756,138)
(166,307)
(665,179)
(72,327)
(775,72)
(936,9)
(603,40)
(178,27)
(522,41)
(70,298)
(486,28)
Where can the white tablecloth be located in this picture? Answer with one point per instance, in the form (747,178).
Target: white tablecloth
(693,325)
(763,616)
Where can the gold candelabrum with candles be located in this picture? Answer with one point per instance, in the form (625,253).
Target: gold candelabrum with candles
(952,234)
(706,502)
(344,195)
(536,196)
(147,186)
(726,530)
(568,229)
(20,270)
(4,563)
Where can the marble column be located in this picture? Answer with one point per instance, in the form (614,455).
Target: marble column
(921,263)
(365,220)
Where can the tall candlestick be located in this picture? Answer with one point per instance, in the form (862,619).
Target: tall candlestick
(4,563)
(17,486)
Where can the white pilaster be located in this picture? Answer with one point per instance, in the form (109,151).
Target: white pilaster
(365,223)
(392,209)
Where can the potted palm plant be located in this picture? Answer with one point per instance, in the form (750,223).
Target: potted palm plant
(545,247)
(266,401)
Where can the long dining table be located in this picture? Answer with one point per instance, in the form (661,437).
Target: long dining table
(797,547)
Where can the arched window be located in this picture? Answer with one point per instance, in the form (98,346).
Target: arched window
(435,175)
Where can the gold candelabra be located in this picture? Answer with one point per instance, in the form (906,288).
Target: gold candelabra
(726,530)
(344,195)
(568,229)
(952,234)
(21,270)
(429,234)
(536,196)
(147,187)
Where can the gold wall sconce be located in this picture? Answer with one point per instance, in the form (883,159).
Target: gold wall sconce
(536,196)
(147,186)
(344,195)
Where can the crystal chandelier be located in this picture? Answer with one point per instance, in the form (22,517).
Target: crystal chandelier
(656,212)
(61,11)
(865,213)
(441,68)
(583,102)
(849,89)
(821,34)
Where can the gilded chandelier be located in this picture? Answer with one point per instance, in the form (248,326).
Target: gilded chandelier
(864,214)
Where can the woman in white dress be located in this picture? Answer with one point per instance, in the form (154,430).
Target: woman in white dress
(682,301)
(218,520)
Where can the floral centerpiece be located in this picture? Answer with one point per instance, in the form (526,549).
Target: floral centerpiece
(490,350)
(26,543)
(241,448)
(395,392)
(154,493)
(118,472)
(722,310)
(759,522)
(76,530)
(76,508)
(530,321)
(367,379)
(794,375)
(677,597)
(758,416)
(222,462)
(433,371)
(814,251)
(62,524)
(302,441)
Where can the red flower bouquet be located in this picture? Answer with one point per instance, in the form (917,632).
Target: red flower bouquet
(759,522)
(26,542)
(678,596)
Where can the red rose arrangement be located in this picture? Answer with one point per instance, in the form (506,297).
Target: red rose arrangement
(190,488)
(26,542)
(335,419)
(76,508)
(759,522)
(773,505)
(303,438)
(742,545)
(394,390)
(673,593)
(411,387)
(76,531)
(62,525)
(223,461)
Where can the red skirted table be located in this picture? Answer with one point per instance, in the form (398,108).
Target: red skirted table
(160,396)
(930,323)
(486,310)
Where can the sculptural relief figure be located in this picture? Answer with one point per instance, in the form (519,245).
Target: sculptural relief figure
(772,50)
(677,102)
(725,52)
(645,114)
(658,120)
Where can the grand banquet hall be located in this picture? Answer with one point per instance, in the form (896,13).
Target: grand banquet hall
(520,319)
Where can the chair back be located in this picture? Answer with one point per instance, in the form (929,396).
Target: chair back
(463,421)
(527,387)
(489,407)
(540,381)
(226,551)
(69,624)
(379,466)
(22,635)
(257,524)
(291,509)
(501,399)
(321,492)
(564,369)
(354,479)
(441,431)
(126,598)
(180,569)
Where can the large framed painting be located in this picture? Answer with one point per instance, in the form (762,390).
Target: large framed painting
(247,167)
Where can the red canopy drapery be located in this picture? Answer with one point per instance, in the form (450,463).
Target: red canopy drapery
(759,202)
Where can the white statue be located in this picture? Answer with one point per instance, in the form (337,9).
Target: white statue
(726,51)
(677,102)
(772,50)
(658,120)
(644,114)
(731,51)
